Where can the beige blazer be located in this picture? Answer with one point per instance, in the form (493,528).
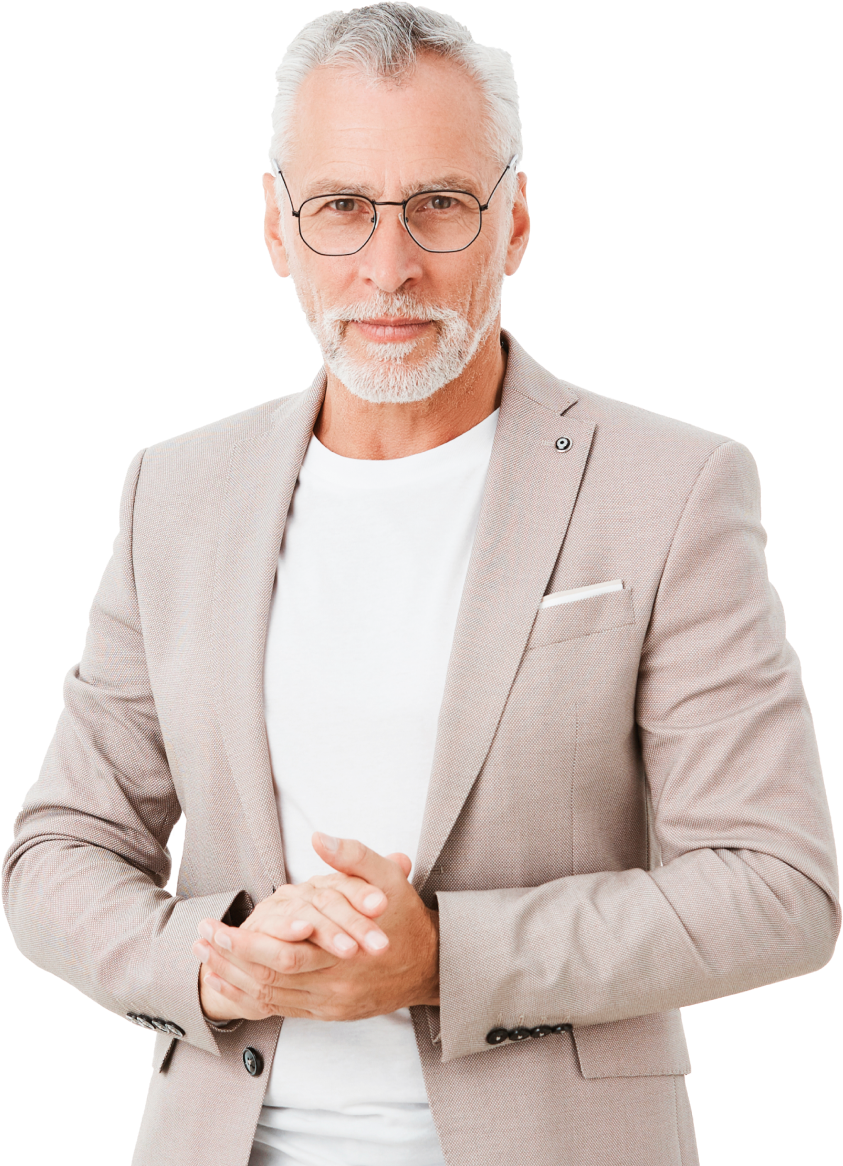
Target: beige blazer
(625,814)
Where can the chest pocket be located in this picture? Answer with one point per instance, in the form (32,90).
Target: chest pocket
(583,617)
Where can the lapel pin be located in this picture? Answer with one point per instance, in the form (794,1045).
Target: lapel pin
(563,444)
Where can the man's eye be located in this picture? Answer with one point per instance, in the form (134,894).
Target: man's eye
(442,202)
(344,206)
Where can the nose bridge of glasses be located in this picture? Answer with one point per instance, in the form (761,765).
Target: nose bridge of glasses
(376,215)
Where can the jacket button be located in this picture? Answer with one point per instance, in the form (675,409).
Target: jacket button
(158,1023)
(253,1062)
(541,1030)
(563,444)
(519,1034)
(143,1021)
(562,1028)
(497,1036)
(173,1029)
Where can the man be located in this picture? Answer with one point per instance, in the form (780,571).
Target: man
(441,613)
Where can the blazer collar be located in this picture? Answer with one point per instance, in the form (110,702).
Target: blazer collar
(530,491)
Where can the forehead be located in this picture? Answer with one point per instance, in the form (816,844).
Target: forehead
(384,132)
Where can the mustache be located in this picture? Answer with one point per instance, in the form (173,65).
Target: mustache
(397,306)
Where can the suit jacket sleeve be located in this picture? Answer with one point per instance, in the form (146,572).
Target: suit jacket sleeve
(744,891)
(83,882)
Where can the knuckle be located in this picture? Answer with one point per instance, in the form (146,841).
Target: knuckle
(263,975)
(324,897)
(304,897)
(289,961)
(264,995)
(356,851)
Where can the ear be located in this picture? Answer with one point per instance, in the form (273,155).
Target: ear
(520,229)
(272,228)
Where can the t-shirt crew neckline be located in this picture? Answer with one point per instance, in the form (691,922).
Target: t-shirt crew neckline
(452,456)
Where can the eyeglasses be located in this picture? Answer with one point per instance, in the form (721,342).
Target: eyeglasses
(441,221)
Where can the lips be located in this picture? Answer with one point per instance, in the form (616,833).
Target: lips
(387,329)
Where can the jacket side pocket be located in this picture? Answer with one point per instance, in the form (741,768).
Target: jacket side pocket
(640,1046)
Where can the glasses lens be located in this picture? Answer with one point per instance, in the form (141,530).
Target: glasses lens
(444,220)
(336,224)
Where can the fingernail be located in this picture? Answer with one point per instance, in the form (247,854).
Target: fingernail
(223,941)
(373,900)
(205,930)
(299,925)
(344,943)
(201,949)
(376,940)
(329,842)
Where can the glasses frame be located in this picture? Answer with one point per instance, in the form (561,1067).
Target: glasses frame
(276,170)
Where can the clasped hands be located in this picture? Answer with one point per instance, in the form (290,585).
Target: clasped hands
(313,950)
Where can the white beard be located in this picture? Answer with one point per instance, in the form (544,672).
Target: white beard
(382,375)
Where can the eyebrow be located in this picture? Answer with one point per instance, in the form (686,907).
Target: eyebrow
(336,186)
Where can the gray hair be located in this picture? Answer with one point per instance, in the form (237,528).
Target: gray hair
(382,41)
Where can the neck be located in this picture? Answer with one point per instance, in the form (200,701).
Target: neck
(355,428)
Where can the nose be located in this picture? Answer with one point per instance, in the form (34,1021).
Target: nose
(391,260)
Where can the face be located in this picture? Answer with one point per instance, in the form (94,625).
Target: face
(395,322)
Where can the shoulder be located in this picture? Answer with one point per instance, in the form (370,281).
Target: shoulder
(217,438)
(185,476)
(618,425)
(202,455)
(630,422)
(662,455)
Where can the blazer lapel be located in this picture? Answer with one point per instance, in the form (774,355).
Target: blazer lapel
(530,492)
(262,476)
(529,496)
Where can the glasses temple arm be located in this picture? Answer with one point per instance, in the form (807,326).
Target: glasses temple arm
(512,165)
(276,170)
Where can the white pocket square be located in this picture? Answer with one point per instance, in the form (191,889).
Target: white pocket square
(557,597)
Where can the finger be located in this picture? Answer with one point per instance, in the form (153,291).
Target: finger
(337,926)
(334,924)
(261,985)
(284,1003)
(322,906)
(257,960)
(364,897)
(217,1007)
(284,926)
(352,857)
(217,970)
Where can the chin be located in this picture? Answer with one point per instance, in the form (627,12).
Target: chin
(389,382)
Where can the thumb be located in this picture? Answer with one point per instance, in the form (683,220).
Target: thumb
(352,857)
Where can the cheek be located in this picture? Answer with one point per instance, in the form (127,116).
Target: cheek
(325,284)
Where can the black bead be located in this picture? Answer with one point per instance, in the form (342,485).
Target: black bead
(562,1028)
(519,1034)
(253,1062)
(497,1036)
(541,1030)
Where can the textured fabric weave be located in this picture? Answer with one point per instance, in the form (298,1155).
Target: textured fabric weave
(625,815)
(369,582)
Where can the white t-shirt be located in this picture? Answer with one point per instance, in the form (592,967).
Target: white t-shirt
(369,581)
